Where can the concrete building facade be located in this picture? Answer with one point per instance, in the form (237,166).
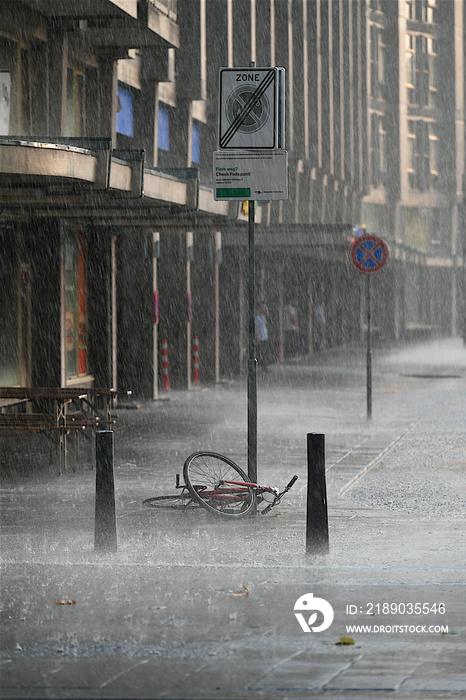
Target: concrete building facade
(110,237)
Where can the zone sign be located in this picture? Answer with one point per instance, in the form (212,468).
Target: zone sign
(250,115)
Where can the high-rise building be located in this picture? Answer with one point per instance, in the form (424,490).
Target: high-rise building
(110,237)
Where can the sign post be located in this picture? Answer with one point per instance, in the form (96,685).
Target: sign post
(369,254)
(251,165)
(252,359)
(369,351)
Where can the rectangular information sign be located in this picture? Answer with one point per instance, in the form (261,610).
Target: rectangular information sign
(258,175)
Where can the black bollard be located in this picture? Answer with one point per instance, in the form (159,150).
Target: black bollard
(105,539)
(317,541)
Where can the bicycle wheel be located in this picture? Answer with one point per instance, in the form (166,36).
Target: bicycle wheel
(204,473)
(181,501)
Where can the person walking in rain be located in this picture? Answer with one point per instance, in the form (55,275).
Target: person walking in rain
(262,336)
(320,326)
(291,330)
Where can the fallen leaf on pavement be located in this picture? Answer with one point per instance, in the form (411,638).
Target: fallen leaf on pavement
(243,592)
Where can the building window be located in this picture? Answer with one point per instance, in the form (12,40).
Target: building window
(431,11)
(411,154)
(163,136)
(377,60)
(15,85)
(433,153)
(422,154)
(75,304)
(421,10)
(420,70)
(5,99)
(9,306)
(410,71)
(378,149)
(431,71)
(168,7)
(196,142)
(74,102)
(124,123)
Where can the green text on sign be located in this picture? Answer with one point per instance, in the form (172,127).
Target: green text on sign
(243,192)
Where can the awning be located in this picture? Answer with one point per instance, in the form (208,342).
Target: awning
(85,177)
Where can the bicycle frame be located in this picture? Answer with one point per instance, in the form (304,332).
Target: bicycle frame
(235,492)
(238,494)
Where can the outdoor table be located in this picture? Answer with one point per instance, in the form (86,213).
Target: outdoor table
(60,418)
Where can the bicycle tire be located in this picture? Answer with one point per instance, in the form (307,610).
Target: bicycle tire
(180,501)
(203,472)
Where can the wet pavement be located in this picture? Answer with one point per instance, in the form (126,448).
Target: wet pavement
(192,606)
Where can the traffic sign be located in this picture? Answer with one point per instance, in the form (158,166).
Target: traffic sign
(257,175)
(369,253)
(249,113)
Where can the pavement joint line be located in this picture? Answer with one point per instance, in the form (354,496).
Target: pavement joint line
(342,670)
(410,674)
(274,666)
(122,673)
(372,464)
(348,452)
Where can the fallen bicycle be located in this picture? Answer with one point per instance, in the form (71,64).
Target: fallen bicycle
(215,483)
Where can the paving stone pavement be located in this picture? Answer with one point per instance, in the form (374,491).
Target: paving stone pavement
(194,607)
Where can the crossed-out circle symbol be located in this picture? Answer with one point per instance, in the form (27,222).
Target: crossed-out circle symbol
(256,116)
(369,253)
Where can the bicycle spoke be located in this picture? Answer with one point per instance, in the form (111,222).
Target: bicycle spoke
(180,501)
(204,473)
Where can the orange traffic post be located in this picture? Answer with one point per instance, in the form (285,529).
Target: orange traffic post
(196,380)
(166,378)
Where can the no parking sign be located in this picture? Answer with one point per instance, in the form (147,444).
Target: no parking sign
(369,254)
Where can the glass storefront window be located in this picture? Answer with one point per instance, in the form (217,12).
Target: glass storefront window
(9,308)
(15,107)
(75,304)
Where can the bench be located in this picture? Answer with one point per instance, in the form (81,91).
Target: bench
(25,421)
(39,421)
(56,411)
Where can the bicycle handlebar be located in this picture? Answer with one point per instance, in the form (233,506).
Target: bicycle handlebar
(293,480)
(278,497)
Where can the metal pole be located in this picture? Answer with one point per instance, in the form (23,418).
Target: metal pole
(114,314)
(252,361)
(463,287)
(189,250)
(317,541)
(369,350)
(105,536)
(155,343)
(218,253)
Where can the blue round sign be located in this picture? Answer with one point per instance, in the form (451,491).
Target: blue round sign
(369,253)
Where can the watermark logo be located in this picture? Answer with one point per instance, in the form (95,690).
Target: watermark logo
(308,604)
